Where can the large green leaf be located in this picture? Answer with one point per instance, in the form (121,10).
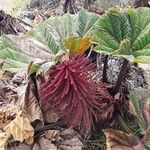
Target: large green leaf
(117,26)
(46,41)
(54,31)
(8,53)
(18,51)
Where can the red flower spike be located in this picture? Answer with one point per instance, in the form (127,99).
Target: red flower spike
(71,92)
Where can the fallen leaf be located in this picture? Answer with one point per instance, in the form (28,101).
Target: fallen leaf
(1,74)
(2,92)
(20,77)
(50,116)
(7,113)
(36,146)
(8,75)
(71,144)
(3,140)
(21,146)
(20,128)
(30,104)
(51,133)
(70,140)
(44,144)
(29,140)
(25,97)
(118,140)
(146,71)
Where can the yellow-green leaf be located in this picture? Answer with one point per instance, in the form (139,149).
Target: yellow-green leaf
(77,45)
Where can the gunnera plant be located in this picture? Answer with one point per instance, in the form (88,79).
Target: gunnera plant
(72,93)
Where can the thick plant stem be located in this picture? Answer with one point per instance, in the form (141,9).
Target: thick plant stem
(121,76)
(36,93)
(104,79)
(52,126)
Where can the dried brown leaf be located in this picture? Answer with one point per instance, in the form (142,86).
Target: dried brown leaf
(50,116)
(30,140)
(1,74)
(70,140)
(29,102)
(146,71)
(20,77)
(46,144)
(7,113)
(3,140)
(118,140)
(21,146)
(2,93)
(36,146)
(51,133)
(20,128)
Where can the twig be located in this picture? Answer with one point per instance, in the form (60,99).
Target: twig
(52,126)
(91,49)
(25,23)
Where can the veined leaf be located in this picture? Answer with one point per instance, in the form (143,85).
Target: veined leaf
(118,140)
(18,51)
(77,45)
(14,66)
(50,37)
(56,30)
(124,48)
(30,47)
(8,53)
(143,52)
(140,106)
(86,22)
(124,32)
(142,59)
